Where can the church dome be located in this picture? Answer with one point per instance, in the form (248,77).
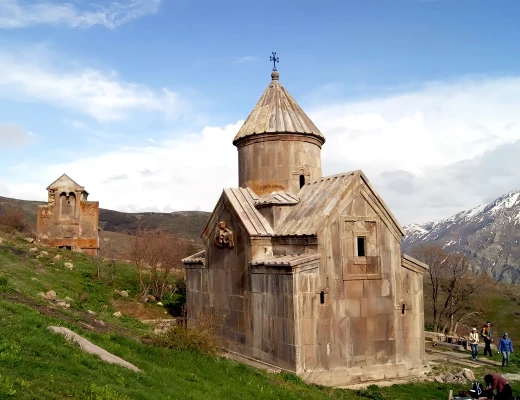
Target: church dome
(277,112)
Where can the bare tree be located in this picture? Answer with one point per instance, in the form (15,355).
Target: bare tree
(110,252)
(156,254)
(472,293)
(435,258)
(459,285)
(455,287)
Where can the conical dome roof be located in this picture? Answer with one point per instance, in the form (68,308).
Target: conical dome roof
(277,112)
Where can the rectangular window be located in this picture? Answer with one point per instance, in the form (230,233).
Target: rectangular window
(361,246)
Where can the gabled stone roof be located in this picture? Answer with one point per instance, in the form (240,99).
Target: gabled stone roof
(277,198)
(197,258)
(413,264)
(316,203)
(286,261)
(65,181)
(317,200)
(321,199)
(277,112)
(241,201)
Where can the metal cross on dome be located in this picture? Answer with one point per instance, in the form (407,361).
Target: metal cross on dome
(274,59)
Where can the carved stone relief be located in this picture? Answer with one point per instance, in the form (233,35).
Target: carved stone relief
(224,236)
(47,214)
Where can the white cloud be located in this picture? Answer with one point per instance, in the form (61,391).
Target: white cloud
(436,125)
(99,94)
(18,14)
(184,174)
(429,152)
(14,136)
(426,133)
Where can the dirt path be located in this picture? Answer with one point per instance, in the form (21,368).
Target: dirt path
(459,358)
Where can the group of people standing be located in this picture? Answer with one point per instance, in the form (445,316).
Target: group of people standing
(505,346)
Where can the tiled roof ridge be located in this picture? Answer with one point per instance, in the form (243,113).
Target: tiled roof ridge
(197,258)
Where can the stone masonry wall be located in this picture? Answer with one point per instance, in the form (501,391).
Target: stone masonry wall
(359,329)
(256,305)
(277,165)
(78,233)
(273,324)
(410,318)
(228,283)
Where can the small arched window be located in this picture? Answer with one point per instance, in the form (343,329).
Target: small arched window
(403,308)
(322,297)
(302,181)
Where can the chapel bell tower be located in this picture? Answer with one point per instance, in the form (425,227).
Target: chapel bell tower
(279,147)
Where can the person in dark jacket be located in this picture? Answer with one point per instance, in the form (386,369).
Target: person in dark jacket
(487,335)
(500,384)
(505,346)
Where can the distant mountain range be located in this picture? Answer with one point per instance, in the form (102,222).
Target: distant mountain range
(184,224)
(488,234)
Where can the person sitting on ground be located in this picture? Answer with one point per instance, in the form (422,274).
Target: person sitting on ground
(473,342)
(500,384)
(505,346)
(476,391)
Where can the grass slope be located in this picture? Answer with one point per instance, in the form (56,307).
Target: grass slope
(35,363)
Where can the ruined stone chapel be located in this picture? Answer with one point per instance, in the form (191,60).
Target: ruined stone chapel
(306,270)
(68,220)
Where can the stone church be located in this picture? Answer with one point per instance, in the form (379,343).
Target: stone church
(306,270)
(68,220)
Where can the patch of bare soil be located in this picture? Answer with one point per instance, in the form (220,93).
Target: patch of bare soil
(141,311)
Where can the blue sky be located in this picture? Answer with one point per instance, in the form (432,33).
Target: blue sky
(142,98)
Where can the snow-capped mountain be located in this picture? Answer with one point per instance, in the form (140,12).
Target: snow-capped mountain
(488,234)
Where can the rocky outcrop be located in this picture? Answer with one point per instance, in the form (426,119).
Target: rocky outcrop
(488,234)
(464,376)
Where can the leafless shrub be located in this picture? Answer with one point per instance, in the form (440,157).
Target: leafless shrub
(13,220)
(157,256)
(200,335)
(106,263)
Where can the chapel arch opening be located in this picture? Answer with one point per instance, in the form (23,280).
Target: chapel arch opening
(67,204)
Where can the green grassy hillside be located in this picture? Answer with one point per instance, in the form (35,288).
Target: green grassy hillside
(35,363)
